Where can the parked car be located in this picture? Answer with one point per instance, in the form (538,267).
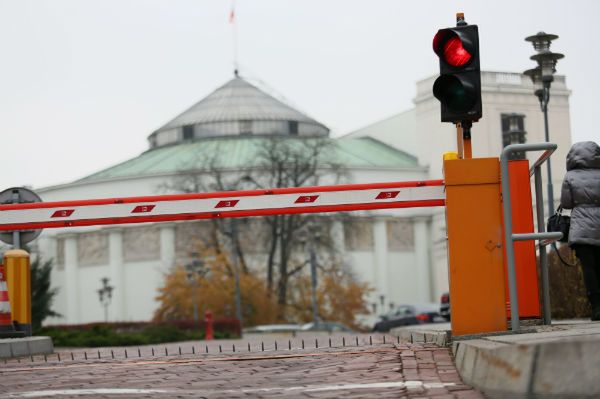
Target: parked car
(329,326)
(406,315)
(445,306)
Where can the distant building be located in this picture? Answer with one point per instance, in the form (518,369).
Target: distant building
(388,249)
(401,253)
(511,114)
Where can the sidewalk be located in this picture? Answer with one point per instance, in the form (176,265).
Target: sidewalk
(348,366)
(557,361)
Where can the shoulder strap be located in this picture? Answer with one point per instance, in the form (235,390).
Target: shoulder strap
(561,258)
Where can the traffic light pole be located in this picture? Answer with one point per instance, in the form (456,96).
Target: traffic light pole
(463,139)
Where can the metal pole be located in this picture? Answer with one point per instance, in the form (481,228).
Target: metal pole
(313,275)
(547,135)
(510,248)
(539,205)
(16,234)
(234,257)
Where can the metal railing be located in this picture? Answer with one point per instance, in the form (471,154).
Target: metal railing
(541,236)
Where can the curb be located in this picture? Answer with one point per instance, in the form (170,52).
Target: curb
(441,338)
(29,346)
(555,369)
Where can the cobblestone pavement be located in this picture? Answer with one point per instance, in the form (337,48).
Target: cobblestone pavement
(341,368)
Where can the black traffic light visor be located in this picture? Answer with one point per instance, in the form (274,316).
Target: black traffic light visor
(455,93)
(453,47)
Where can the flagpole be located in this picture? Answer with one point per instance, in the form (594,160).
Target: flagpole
(234,36)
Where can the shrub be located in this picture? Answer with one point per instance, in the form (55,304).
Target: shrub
(134,333)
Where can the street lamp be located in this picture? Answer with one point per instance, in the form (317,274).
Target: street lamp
(313,236)
(542,77)
(195,269)
(232,233)
(105,295)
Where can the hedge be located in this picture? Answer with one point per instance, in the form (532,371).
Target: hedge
(135,333)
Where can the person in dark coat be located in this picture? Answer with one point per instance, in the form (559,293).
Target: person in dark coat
(581,193)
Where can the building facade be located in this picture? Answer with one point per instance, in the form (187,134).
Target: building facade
(389,249)
(400,253)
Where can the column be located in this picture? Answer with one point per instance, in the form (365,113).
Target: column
(118,305)
(337,236)
(167,246)
(423,267)
(381,261)
(71,279)
(47,247)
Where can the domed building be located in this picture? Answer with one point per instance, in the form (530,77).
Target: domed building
(389,249)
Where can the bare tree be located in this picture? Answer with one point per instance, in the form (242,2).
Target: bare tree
(278,163)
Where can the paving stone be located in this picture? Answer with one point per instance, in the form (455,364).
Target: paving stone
(378,370)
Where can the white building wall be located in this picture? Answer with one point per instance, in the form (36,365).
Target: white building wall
(396,275)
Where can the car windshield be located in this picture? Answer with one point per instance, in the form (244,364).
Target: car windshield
(400,311)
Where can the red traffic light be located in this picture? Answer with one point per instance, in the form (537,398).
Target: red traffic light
(451,48)
(459,85)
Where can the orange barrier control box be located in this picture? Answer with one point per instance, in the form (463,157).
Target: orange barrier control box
(475,252)
(525,260)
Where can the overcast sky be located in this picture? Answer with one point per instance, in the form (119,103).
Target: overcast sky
(83,83)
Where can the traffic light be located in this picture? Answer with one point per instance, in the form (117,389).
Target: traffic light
(459,85)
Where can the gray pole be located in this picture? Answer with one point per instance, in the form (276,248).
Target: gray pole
(313,275)
(547,135)
(510,249)
(16,234)
(236,271)
(539,201)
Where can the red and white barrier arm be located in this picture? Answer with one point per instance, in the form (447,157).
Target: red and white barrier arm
(341,198)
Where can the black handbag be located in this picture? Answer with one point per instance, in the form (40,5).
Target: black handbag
(561,223)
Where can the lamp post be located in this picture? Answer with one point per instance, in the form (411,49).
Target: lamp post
(232,233)
(195,269)
(542,77)
(105,295)
(314,232)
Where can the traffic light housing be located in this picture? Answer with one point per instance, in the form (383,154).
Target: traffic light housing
(458,88)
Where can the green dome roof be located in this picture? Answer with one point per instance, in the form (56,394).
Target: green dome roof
(241,152)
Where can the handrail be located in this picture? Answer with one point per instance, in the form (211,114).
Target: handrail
(510,238)
(545,155)
(554,236)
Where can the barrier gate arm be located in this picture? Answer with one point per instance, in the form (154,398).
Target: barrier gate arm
(541,236)
(162,208)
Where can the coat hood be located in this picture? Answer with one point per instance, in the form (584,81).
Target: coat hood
(584,155)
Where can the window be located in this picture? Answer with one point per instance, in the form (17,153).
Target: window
(188,132)
(245,127)
(293,127)
(513,132)
(358,235)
